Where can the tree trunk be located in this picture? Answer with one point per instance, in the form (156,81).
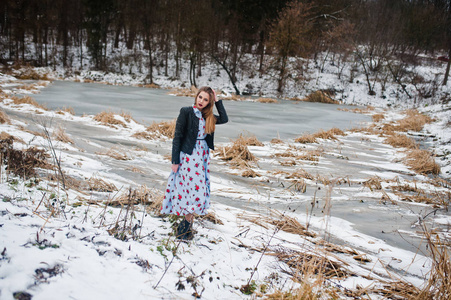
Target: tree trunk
(445,80)
(232,80)
(282,74)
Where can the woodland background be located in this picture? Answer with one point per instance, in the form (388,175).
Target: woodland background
(377,36)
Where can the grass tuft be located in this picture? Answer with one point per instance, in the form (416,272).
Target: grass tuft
(400,141)
(60,135)
(4,118)
(27,100)
(267,100)
(311,138)
(422,161)
(107,118)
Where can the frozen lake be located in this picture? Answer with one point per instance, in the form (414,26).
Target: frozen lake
(286,119)
(355,157)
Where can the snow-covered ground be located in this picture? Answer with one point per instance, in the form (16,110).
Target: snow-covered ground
(70,244)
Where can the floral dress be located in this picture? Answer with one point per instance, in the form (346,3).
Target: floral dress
(188,190)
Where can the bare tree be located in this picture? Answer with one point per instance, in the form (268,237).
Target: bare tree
(289,35)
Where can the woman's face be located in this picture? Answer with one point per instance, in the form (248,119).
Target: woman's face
(202,100)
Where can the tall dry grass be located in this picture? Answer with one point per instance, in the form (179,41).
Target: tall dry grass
(321,97)
(377,117)
(321,134)
(422,161)
(4,118)
(438,286)
(116,153)
(238,154)
(165,129)
(27,100)
(401,141)
(414,121)
(63,110)
(267,100)
(60,135)
(107,118)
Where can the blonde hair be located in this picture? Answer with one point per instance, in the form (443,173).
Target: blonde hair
(207,111)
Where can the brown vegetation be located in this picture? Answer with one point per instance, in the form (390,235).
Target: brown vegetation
(4,118)
(165,128)
(400,140)
(413,122)
(115,153)
(267,100)
(321,97)
(27,100)
(311,138)
(422,161)
(108,119)
(377,117)
(250,173)
(28,73)
(22,162)
(100,185)
(238,153)
(60,135)
(69,110)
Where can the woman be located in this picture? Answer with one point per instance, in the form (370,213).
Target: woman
(188,190)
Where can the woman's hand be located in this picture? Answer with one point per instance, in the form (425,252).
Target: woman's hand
(214,93)
(175,167)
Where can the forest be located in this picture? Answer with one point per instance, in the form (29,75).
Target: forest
(374,34)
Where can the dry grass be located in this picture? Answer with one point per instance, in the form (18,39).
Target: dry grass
(250,173)
(60,135)
(165,128)
(212,217)
(149,86)
(27,100)
(238,154)
(100,185)
(28,73)
(378,117)
(184,92)
(302,265)
(439,280)
(276,141)
(422,161)
(115,153)
(306,139)
(300,173)
(127,116)
(107,118)
(374,183)
(320,96)
(141,195)
(22,162)
(69,110)
(267,100)
(401,141)
(413,122)
(288,224)
(312,138)
(366,110)
(4,118)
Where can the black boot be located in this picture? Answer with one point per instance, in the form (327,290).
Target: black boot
(189,233)
(182,229)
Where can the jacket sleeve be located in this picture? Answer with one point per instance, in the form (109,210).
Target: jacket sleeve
(180,132)
(222,118)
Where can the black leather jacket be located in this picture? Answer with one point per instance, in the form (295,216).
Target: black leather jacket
(186,130)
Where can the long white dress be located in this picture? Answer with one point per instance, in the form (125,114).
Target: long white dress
(188,190)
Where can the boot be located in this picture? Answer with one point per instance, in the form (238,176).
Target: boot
(189,233)
(182,229)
